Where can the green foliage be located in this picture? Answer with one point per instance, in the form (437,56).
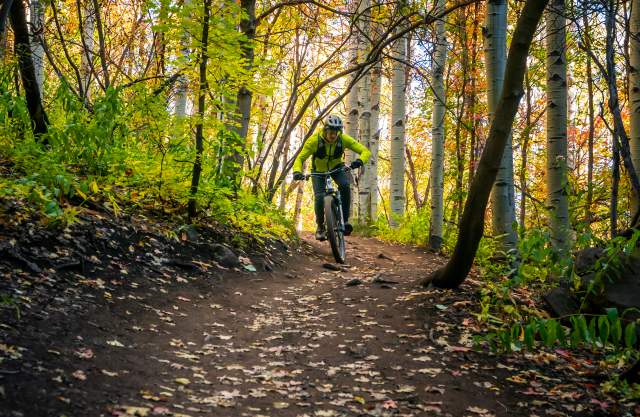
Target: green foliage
(608,331)
(10,302)
(126,152)
(413,228)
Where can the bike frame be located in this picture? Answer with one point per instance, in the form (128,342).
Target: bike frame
(330,189)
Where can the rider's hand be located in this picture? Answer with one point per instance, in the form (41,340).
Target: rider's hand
(298,176)
(356,164)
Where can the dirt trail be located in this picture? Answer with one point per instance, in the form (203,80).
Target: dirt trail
(300,341)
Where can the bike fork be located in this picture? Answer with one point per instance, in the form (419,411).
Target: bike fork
(341,219)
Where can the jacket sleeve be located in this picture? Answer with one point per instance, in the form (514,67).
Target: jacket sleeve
(363,153)
(307,150)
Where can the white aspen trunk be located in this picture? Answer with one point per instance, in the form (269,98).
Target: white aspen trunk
(363,196)
(283,186)
(557,126)
(437,136)
(374,140)
(36,20)
(634,86)
(352,110)
(298,207)
(503,194)
(88,44)
(182,84)
(397,150)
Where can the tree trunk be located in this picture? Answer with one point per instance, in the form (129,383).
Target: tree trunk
(182,86)
(502,196)
(472,225)
(298,208)
(5,7)
(473,99)
(243,100)
(102,50)
(462,107)
(615,183)
(524,155)
(414,179)
(557,200)
(283,186)
(634,88)
(202,91)
(437,144)
(353,111)
(36,20)
(374,140)
(587,40)
(397,150)
(22,47)
(364,192)
(88,43)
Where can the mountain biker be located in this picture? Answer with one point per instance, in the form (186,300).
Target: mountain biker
(327,148)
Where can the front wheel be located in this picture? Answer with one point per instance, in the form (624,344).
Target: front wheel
(335,229)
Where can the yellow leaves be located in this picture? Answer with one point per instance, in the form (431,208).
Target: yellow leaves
(94,187)
(405,389)
(517,379)
(430,371)
(109,373)
(182,381)
(136,411)
(10,351)
(480,411)
(148,395)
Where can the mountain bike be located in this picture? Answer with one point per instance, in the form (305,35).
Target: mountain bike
(333,216)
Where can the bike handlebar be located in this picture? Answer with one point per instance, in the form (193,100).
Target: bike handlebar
(324,174)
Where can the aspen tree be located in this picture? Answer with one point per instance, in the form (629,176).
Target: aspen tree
(364,193)
(557,125)
(437,137)
(398,115)
(36,28)
(502,195)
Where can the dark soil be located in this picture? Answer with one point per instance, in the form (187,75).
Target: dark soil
(112,318)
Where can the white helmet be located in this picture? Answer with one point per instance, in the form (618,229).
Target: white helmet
(333,122)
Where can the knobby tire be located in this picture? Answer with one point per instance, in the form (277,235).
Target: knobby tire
(335,232)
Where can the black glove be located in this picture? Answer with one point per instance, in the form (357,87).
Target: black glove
(356,164)
(298,176)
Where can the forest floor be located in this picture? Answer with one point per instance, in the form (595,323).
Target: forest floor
(137,328)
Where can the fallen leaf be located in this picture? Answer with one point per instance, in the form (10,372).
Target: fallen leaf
(136,411)
(182,381)
(84,353)
(114,343)
(406,388)
(479,411)
(79,375)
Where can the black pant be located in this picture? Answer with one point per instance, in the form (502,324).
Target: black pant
(342,179)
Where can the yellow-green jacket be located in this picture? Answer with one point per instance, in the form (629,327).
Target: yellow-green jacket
(327,156)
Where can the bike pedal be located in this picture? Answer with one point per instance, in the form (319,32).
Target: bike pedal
(348,229)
